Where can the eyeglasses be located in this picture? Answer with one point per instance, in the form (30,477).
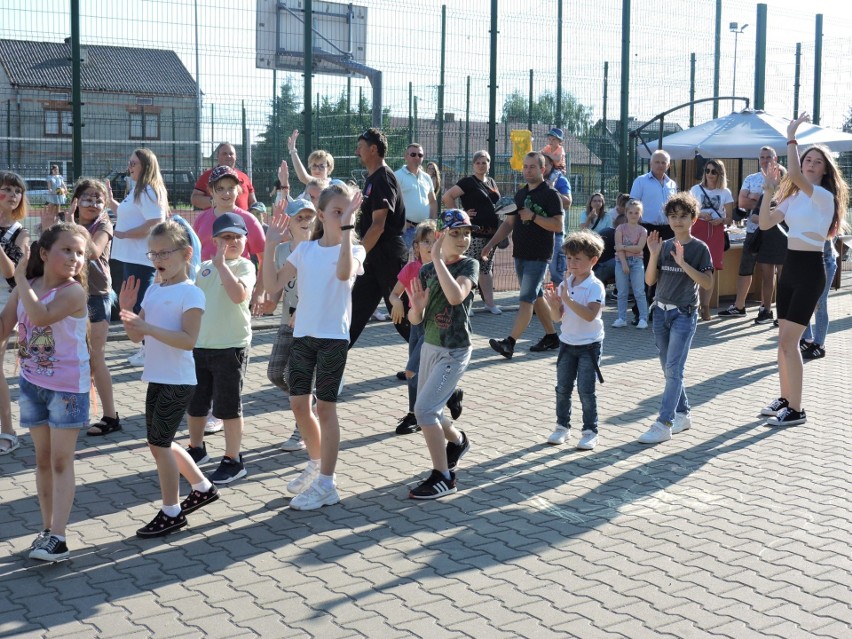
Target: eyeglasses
(159,255)
(415,155)
(711,172)
(319,167)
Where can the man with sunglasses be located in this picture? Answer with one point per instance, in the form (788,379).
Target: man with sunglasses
(418,193)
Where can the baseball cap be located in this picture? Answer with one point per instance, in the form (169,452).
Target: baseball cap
(223,171)
(258,207)
(557,133)
(229,223)
(294,207)
(456,219)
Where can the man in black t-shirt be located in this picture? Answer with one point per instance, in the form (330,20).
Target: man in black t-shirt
(380,226)
(533,225)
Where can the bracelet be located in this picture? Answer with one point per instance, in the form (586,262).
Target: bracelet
(793,141)
(347,227)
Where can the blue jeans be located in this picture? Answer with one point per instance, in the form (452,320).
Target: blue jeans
(673,332)
(820,329)
(408,235)
(415,345)
(145,276)
(558,263)
(635,279)
(530,279)
(577,363)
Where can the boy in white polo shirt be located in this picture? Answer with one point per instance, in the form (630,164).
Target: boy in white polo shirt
(578,302)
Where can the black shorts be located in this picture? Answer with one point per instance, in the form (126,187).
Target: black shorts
(324,357)
(220,373)
(773,247)
(800,286)
(165,405)
(748,259)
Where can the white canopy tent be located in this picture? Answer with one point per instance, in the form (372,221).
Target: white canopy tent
(740,135)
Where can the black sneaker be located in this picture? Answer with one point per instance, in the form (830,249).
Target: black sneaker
(40,539)
(456,451)
(435,487)
(197,499)
(814,351)
(732,311)
(774,407)
(407,425)
(546,343)
(199,453)
(502,346)
(763,316)
(775,323)
(162,525)
(229,470)
(51,550)
(788,417)
(804,346)
(454,403)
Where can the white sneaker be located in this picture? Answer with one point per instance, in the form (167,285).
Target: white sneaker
(214,425)
(642,325)
(315,497)
(658,433)
(494,310)
(379,316)
(588,440)
(295,442)
(137,359)
(558,436)
(619,323)
(682,422)
(304,480)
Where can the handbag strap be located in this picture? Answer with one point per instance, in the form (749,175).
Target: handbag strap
(707,195)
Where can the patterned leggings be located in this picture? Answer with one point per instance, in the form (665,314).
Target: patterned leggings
(165,405)
(325,358)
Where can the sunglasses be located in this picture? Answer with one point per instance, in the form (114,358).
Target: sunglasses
(415,155)
(711,171)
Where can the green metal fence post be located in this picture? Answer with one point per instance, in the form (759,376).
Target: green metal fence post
(410,114)
(275,140)
(76,94)
(244,131)
(441,85)
(797,82)
(760,58)
(467,123)
(817,69)
(307,117)
(558,64)
(603,135)
(530,107)
(625,96)
(717,54)
(492,90)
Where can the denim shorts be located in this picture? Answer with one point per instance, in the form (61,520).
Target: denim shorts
(219,373)
(530,277)
(57,409)
(100,308)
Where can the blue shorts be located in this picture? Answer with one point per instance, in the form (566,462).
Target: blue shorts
(530,278)
(57,409)
(100,308)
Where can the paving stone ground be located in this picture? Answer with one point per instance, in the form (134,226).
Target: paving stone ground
(732,529)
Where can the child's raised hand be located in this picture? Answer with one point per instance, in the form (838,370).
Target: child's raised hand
(291,141)
(72,208)
(129,294)
(654,241)
(278,226)
(348,215)
(772,175)
(437,245)
(21,266)
(551,296)
(419,295)
(219,258)
(677,254)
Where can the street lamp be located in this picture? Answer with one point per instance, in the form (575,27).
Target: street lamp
(736,29)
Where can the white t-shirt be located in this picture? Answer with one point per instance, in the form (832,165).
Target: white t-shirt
(325,302)
(808,219)
(712,201)
(754,185)
(131,214)
(164,306)
(575,330)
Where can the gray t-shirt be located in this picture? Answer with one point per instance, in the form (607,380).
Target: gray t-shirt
(673,285)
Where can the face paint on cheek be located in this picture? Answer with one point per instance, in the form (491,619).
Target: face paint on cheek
(2,196)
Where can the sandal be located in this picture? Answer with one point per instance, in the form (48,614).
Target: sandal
(105,426)
(14,444)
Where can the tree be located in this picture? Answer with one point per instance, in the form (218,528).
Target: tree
(576,117)
(272,145)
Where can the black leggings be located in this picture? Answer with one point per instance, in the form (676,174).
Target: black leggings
(800,286)
(165,405)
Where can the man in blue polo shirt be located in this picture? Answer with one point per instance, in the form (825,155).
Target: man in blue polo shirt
(418,192)
(653,189)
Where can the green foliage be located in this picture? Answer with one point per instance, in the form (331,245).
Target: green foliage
(576,117)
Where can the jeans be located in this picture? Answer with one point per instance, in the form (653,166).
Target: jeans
(577,363)
(635,279)
(673,332)
(408,235)
(530,279)
(820,329)
(558,263)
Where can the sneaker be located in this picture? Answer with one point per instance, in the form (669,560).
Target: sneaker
(558,436)
(732,311)
(546,343)
(40,539)
(315,497)
(196,499)
(619,323)
(804,346)
(380,316)
(162,525)
(454,403)
(435,487)
(773,409)
(814,352)
(494,310)
(659,432)
(295,442)
(788,417)
(138,358)
(642,325)
(214,425)
(682,422)
(763,316)
(503,347)
(588,440)
(301,483)
(407,425)
(51,550)
(775,323)
(199,453)
(456,451)
(229,470)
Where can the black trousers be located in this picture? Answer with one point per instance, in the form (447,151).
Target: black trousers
(666,233)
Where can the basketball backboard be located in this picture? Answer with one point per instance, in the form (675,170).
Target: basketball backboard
(339,33)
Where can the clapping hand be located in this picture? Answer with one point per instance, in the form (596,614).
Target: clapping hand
(551,296)
(219,258)
(437,245)
(654,242)
(677,254)
(72,209)
(419,296)
(279,225)
(771,176)
(129,293)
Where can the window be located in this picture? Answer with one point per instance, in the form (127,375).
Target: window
(144,125)
(57,123)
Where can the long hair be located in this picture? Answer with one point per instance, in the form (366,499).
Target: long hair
(35,265)
(723,176)
(436,177)
(8,178)
(592,197)
(150,176)
(832,182)
(84,184)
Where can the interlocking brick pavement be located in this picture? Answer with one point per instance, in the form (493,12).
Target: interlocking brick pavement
(731,529)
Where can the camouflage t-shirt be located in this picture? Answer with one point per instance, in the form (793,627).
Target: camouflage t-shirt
(444,324)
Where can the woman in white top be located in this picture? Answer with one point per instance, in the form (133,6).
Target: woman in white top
(717,210)
(811,200)
(56,196)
